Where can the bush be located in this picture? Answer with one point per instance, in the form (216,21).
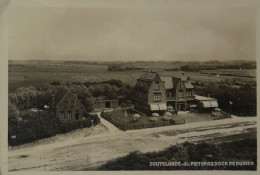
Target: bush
(38,125)
(189,152)
(33,126)
(243,98)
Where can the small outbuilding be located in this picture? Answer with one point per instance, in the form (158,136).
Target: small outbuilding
(205,103)
(103,103)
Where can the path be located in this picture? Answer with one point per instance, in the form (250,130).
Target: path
(110,127)
(81,153)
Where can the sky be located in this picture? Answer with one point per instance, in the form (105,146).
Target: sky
(124,30)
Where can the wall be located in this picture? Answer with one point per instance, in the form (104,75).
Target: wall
(72,107)
(101,104)
(152,90)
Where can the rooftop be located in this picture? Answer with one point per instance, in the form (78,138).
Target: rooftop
(168,84)
(203,98)
(149,75)
(171,82)
(59,96)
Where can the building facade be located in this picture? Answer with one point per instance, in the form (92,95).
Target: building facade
(101,104)
(150,93)
(179,92)
(66,106)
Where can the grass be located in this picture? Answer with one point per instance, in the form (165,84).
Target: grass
(33,73)
(204,151)
(194,117)
(118,119)
(235,72)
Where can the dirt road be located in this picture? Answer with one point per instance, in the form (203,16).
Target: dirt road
(81,151)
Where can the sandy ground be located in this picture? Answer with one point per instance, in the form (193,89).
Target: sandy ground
(88,148)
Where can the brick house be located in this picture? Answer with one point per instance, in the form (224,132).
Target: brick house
(66,106)
(179,92)
(150,93)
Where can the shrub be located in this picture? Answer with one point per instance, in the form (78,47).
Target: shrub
(188,152)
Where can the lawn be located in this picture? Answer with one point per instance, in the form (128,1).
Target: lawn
(121,120)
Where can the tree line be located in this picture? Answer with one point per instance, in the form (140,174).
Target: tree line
(243,99)
(29,126)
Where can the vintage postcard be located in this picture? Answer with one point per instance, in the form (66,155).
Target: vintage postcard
(134,86)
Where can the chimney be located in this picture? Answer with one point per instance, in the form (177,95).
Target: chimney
(52,96)
(76,95)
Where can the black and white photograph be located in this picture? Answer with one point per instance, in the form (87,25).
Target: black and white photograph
(132,85)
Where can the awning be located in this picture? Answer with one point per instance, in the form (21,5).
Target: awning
(209,104)
(193,106)
(158,107)
(214,104)
(206,104)
(162,107)
(154,107)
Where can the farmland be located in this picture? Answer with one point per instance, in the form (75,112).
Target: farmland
(33,73)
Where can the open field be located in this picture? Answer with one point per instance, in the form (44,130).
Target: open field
(236,72)
(35,73)
(85,150)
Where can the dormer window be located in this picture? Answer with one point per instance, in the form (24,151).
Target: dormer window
(180,94)
(157,85)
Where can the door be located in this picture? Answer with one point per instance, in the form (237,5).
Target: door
(76,115)
(107,104)
(179,107)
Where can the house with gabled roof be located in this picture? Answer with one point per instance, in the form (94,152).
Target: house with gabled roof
(179,92)
(150,93)
(66,105)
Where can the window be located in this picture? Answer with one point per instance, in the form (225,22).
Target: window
(72,103)
(169,94)
(180,94)
(62,116)
(157,86)
(69,115)
(157,97)
(188,93)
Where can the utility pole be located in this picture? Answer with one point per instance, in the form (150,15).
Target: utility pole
(230,103)
(125,119)
(209,79)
